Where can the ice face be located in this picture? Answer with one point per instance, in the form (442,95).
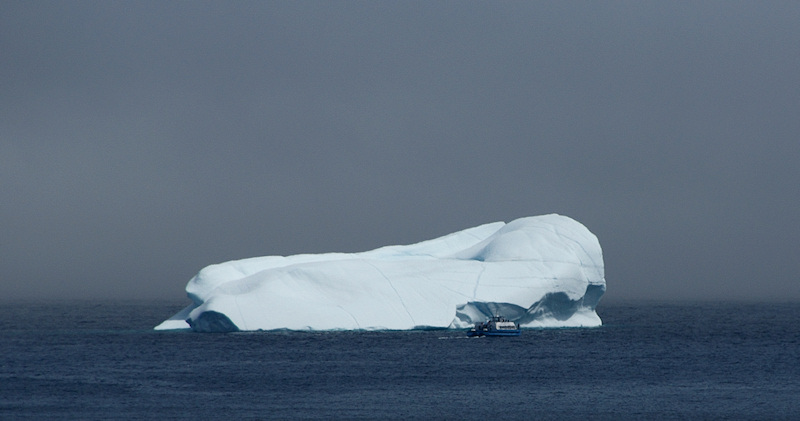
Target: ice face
(543,271)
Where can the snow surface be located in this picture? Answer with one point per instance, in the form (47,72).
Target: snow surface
(541,271)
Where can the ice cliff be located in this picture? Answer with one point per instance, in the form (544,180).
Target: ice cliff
(542,271)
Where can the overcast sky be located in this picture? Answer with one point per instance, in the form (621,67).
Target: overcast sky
(141,141)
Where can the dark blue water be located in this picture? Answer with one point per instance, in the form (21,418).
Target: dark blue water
(649,361)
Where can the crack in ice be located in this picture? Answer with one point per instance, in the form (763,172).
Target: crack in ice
(478,282)
(351,315)
(394,289)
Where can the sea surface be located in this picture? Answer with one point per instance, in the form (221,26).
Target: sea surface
(102,360)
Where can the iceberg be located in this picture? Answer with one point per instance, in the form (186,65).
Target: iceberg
(540,271)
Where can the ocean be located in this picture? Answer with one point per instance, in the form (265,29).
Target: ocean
(650,360)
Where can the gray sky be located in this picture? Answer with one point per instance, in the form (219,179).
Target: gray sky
(141,141)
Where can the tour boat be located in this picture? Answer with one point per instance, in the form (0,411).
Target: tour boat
(496,326)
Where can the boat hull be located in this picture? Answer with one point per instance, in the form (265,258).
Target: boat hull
(478,333)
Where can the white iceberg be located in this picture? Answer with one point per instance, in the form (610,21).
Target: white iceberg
(542,271)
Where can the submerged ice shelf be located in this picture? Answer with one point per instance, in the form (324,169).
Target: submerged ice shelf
(542,271)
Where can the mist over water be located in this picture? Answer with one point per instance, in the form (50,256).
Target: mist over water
(141,142)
